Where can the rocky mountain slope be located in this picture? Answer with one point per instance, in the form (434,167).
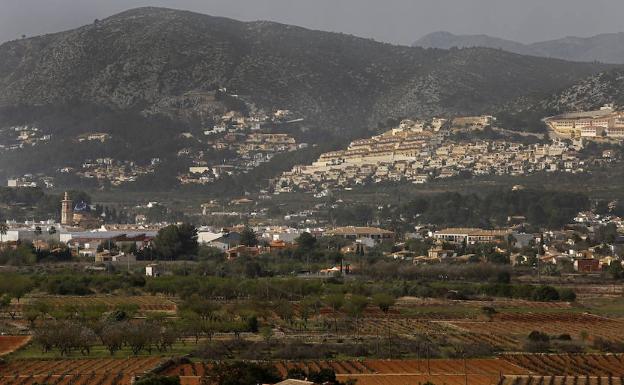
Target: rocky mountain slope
(156,60)
(590,93)
(606,48)
(526,113)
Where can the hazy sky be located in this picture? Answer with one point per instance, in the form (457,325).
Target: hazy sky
(396,21)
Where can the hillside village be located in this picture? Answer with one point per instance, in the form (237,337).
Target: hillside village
(248,151)
(109,170)
(418,152)
(243,137)
(17,137)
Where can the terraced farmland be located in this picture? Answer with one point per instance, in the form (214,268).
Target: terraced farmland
(512,324)
(512,369)
(443,379)
(76,372)
(558,380)
(604,365)
(144,302)
(373,372)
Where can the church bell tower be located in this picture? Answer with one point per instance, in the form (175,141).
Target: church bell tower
(67,213)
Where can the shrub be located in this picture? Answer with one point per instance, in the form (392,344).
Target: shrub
(538,336)
(603,345)
(545,293)
(158,380)
(567,295)
(568,347)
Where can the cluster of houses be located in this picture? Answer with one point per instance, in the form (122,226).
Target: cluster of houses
(590,244)
(249,150)
(233,121)
(605,123)
(17,137)
(557,247)
(275,238)
(113,171)
(573,245)
(418,153)
(564,247)
(569,246)
(31,180)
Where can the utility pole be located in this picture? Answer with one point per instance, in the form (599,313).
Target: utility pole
(428,358)
(540,253)
(418,357)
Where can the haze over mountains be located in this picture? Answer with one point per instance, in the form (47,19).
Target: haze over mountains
(605,48)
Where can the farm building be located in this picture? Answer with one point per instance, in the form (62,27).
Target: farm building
(152,270)
(587,265)
(470,235)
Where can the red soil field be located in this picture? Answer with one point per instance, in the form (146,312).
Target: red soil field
(76,372)
(9,344)
(549,323)
(442,379)
(373,372)
(570,364)
(552,380)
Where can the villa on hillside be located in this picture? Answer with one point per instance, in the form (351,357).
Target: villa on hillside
(353,233)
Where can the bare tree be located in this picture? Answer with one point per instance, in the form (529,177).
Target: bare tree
(113,337)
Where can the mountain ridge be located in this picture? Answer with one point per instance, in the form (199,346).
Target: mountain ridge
(606,47)
(138,57)
(149,75)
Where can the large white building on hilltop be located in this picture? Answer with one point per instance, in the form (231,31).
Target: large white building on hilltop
(603,123)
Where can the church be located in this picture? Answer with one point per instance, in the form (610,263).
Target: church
(79,215)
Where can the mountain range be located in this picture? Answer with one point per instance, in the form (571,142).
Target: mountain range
(605,48)
(151,58)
